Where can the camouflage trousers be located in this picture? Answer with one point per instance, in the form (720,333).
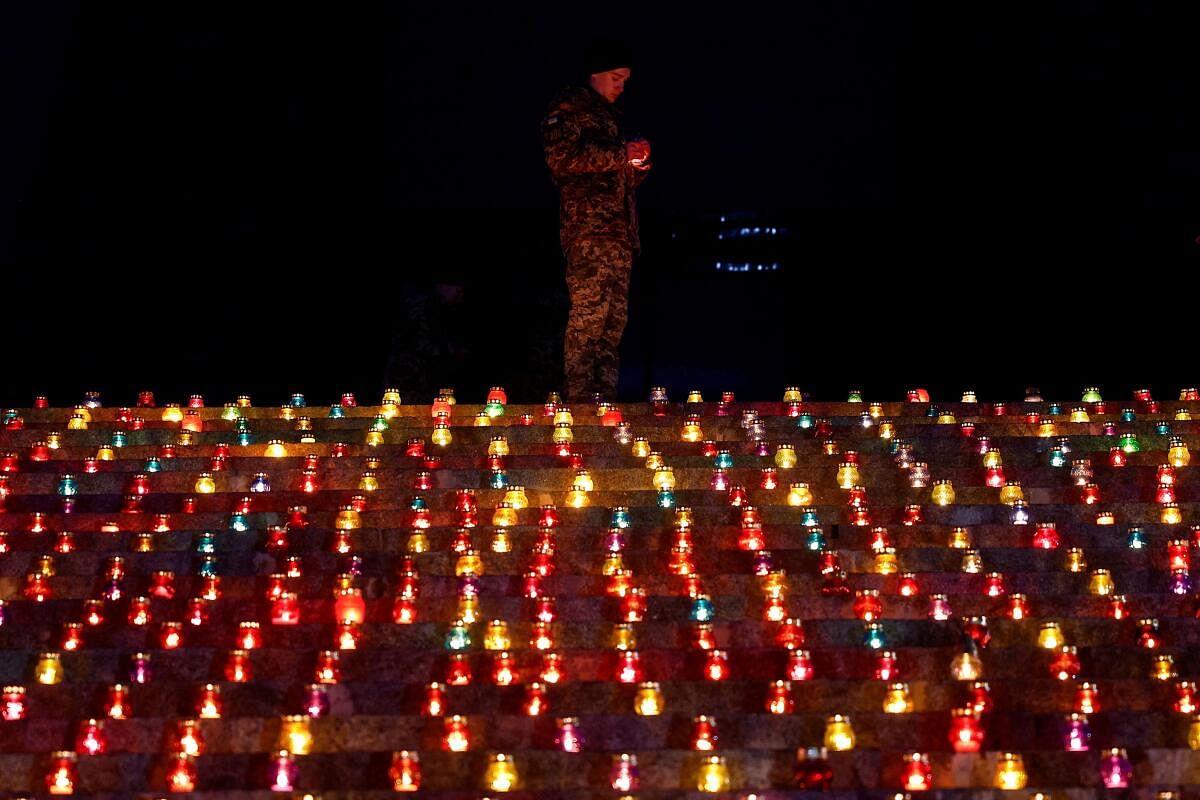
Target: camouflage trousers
(598,283)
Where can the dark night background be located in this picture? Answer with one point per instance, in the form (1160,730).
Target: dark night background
(239,198)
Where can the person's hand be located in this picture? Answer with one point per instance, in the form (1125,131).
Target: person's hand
(637,152)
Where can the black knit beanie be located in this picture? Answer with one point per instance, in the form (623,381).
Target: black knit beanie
(604,55)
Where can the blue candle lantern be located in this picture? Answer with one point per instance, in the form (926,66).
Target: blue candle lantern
(620,518)
(207,543)
(723,460)
(153,465)
(380,423)
(666,498)
(702,609)
(1057,457)
(932,411)
(458,638)
(10,414)
(1055,410)
(809,519)
(1127,415)
(91,399)
(208,567)
(1129,443)
(1162,428)
(260,483)
(815,539)
(297,400)
(498,479)
(1020,513)
(804,421)
(244,439)
(1136,540)
(417,504)
(1063,443)
(67,486)
(239,522)
(337,411)
(874,637)
(119,439)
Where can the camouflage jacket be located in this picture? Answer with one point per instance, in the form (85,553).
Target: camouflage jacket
(585,150)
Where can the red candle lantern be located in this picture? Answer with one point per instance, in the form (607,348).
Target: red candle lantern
(181,774)
(1045,536)
(917,774)
(504,668)
(966,731)
(171,635)
(1179,554)
(328,670)
(1117,606)
(62,776)
(1018,608)
(553,670)
(704,733)
(1065,665)
(189,739)
(404,611)
(72,637)
(249,635)
(980,697)
(867,605)
(435,699)
(458,670)
(1087,698)
(886,666)
(238,668)
(716,665)
(139,611)
(116,702)
(779,698)
(1116,457)
(285,609)
(209,705)
(12,703)
(1148,637)
(908,586)
(799,665)
(277,538)
(456,737)
(790,634)
(1185,697)
(993,584)
(912,514)
(629,668)
(91,740)
(37,587)
(1090,495)
(535,699)
(197,611)
(405,772)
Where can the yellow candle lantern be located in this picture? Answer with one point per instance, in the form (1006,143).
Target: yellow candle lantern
(691,431)
(515,496)
(172,413)
(886,562)
(648,702)
(497,637)
(972,562)
(295,735)
(640,447)
(1075,560)
(960,538)
(205,484)
(664,478)
(1010,772)
(468,563)
(714,775)
(276,449)
(563,434)
(1101,583)
(785,456)
(943,493)
(368,482)
(897,700)
(1050,636)
(583,480)
(498,446)
(839,734)
(847,475)
(501,773)
(577,497)
(654,460)
(441,435)
(966,667)
(799,495)
(49,670)
(505,516)
(563,416)
(992,458)
(1011,493)
(1177,453)
(1080,414)
(1170,514)
(77,423)
(348,519)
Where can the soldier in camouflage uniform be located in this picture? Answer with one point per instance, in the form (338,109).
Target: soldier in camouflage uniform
(596,171)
